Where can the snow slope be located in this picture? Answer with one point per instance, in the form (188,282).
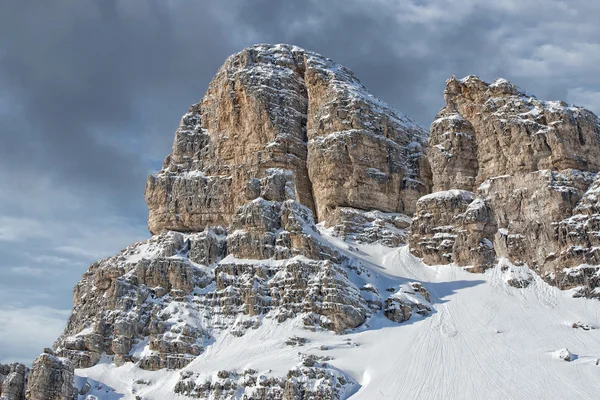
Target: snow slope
(485,340)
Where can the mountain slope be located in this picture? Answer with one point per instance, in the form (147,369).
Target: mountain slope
(279,268)
(485,339)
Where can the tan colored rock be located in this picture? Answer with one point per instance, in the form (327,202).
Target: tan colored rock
(150,289)
(514,132)
(410,298)
(312,379)
(530,163)
(389,229)
(281,136)
(283,107)
(453,152)
(474,246)
(119,298)
(527,208)
(435,225)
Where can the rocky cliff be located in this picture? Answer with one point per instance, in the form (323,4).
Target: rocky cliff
(513,177)
(283,139)
(281,181)
(285,107)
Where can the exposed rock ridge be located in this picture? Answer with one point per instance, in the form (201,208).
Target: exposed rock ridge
(527,166)
(279,106)
(487,130)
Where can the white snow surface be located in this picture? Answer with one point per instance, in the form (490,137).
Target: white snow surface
(448,195)
(484,340)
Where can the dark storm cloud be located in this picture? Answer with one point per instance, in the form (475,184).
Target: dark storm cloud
(78,72)
(91,92)
(404,51)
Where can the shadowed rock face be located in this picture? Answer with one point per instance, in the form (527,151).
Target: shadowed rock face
(13,381)
(50,378)
(284,107)
(529,165)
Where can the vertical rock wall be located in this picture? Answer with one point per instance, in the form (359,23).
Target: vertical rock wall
(284,107)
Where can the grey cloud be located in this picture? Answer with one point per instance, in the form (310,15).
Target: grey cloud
(92,91)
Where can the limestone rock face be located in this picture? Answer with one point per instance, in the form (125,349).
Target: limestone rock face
(271,260)
(51,378)
(284,107)
(281,136)
(487,130)
(123,298)
(529,165)
(410,298)
(527,208)
(13,381)
(435,225)
(453,226)
(312,379)
(453,152)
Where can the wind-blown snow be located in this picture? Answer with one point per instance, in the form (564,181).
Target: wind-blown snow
(485,340)
(448,195)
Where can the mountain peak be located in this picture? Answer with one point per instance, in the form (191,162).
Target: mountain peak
(311,242)
(278,106)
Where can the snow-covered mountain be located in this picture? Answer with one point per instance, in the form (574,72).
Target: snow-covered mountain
(310,242)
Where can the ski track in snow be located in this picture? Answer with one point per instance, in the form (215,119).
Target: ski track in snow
(484,340)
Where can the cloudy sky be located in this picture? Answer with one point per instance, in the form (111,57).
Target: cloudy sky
(91,93)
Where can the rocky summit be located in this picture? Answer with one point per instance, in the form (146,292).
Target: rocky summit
(301,236)
(281,107)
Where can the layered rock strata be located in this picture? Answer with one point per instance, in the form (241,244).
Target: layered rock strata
(160,302)
(283,139)
(528,166)
(284,107)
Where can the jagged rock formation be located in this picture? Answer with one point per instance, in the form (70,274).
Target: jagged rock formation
(527,165)
(453,225)
(283,140)
(50,378)
(284,107)
(160,302)
(13,381)
(488,130)
(216,276)
(281,134)
(312,379)
(389,229)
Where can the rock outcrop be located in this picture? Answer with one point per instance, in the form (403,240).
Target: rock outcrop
(389,229)
(13,381)
(50,378)
(488,130)
(528,166)
(284,107)
(453,226)
(160,302)
(281,135)
(312,379)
